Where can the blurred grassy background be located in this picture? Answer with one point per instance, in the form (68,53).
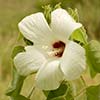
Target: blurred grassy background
(12,11)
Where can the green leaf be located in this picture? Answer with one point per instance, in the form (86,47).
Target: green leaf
(46,93)
(17,50)
(93,93)
(16,84)
(79,36)
(93,73)
(62,93)
(19,97)
(56,93)
(93,56)
(74,14)
(73,90)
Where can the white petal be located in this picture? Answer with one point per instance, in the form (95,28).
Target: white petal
(63,24)
(49,76)
(29,61)
(73,61)
(36,29)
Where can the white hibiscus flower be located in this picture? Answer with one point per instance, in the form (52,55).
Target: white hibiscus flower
(52,56)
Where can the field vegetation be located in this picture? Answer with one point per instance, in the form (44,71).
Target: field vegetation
(12,11)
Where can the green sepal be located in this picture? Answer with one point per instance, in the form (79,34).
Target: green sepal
(93,92)
(93,57)
(48,9)
(47,13)
(28,42)
(16,84)
(17,50)
(74,14)
(21,37)
(57,6)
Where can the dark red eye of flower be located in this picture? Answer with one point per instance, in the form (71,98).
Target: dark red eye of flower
(59,46)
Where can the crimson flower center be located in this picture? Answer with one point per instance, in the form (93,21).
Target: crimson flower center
(59,47)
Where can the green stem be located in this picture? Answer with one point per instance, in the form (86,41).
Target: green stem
(30,93)
(16,84)
(84,81)
(79,93)
(83,90)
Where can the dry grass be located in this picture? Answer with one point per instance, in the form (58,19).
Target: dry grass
(3,87)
